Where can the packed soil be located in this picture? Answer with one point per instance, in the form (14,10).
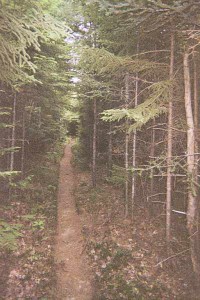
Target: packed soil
(74,280)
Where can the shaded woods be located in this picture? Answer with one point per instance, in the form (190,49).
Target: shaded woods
(122,77)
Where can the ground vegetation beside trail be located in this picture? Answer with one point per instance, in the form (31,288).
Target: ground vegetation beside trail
(129,258)
(27,229)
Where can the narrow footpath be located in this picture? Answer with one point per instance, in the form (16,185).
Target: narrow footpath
(73,273)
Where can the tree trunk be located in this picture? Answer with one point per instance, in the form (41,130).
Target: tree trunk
(192,211)
(110,151)
(127,97)
(134,151)
(23,145)
(196,99)
(12,154)
(152,155)
(196,128)
(196,114)
(13,133)
(169,148)
(94,144)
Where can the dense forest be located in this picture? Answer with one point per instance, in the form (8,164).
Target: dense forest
(120,79)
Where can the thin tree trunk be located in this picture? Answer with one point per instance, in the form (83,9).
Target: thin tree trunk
(94,144)
(127,97)
(13,134)
(110,151)
(40,117)
(23,145)
(196,113)
(12,154)
(134,151)
(196,99)
(196,128)
(192,211)
(152,154)
(8,145)
(169,147)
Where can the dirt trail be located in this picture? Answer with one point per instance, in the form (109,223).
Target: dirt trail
(73,274)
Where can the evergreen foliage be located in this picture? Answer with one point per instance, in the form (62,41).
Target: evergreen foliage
(133,39)
(109,73)
(35,103)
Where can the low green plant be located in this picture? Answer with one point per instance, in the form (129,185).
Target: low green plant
(23,184)
(34,256)
(38,224)
(9,233)
(123,289)
(29,217)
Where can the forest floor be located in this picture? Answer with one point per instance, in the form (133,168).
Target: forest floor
(129,258)
(74,281)
(97,255)
(102,256)
(27,233)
